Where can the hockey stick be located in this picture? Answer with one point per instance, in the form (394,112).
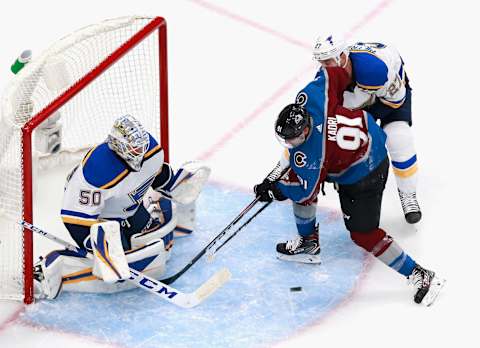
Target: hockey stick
(274,175)
(174,277)
(158,288)
(240,228)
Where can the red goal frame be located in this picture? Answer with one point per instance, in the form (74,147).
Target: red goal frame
(157,23)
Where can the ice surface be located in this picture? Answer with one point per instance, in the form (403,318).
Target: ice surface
(232,66)
(256,308)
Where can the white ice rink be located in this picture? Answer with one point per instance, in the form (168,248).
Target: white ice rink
(234,64)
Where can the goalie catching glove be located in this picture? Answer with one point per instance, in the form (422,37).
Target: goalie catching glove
(185,186)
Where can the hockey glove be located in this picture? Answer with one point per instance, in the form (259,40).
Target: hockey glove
(268,191)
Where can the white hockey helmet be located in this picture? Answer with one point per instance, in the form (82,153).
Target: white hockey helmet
(328,47)
(129,140)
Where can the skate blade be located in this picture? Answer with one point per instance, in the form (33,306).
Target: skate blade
(302,258)
(435,288)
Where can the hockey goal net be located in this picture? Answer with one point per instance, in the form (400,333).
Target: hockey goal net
(79,85)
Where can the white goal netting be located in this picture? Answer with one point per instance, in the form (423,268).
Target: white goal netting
(130,86)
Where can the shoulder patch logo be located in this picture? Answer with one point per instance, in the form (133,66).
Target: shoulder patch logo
(301,98)
(300,159)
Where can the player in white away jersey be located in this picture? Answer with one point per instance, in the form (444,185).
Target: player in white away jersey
(104,212)
(380,86)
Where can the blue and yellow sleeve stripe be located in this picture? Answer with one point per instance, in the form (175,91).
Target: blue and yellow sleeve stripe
(152,152)
(406,168)
(78,218)
(87,156)
(116,180)
(393,104)
(369,88)
(102,168)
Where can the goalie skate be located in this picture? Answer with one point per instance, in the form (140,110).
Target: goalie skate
(48,279)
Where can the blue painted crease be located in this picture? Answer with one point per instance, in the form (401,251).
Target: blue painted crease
(255,309)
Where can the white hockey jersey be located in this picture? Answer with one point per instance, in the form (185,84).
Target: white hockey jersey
(104,187)
(378,70)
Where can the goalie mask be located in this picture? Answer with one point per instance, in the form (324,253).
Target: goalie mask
(291,124)
(329,47)
(129,140)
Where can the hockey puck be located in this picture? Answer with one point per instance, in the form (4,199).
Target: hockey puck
(296,288)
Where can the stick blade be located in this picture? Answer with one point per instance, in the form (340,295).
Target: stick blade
(209,287)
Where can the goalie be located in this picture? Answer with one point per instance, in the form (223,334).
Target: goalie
(118,205)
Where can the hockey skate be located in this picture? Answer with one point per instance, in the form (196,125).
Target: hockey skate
(428,285)
(410,207)
(301,249)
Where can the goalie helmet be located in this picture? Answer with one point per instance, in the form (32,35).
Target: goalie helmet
(129,140)
(290,125)
(329,47)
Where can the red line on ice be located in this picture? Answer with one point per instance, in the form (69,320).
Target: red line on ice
(247,120)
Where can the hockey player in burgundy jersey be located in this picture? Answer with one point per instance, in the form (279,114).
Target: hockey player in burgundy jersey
(327,142)
(380,85)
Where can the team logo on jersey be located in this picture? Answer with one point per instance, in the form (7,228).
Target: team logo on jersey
(301,98)
(300,159)
(137,195)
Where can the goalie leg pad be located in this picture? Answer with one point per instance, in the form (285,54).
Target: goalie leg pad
(48,273)
(110,263)
(150,259)
(68,271)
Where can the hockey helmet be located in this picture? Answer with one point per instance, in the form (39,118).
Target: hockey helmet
(329,47)
(290,125)
(129,140)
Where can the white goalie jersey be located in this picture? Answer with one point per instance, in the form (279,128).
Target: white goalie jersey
(104,187)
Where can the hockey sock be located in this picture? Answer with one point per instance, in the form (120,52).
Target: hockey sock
(305,218)
(385,249)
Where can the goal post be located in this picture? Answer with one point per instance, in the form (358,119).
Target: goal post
(78,86)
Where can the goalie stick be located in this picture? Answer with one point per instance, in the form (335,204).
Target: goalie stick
(156,287)
(273,176)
